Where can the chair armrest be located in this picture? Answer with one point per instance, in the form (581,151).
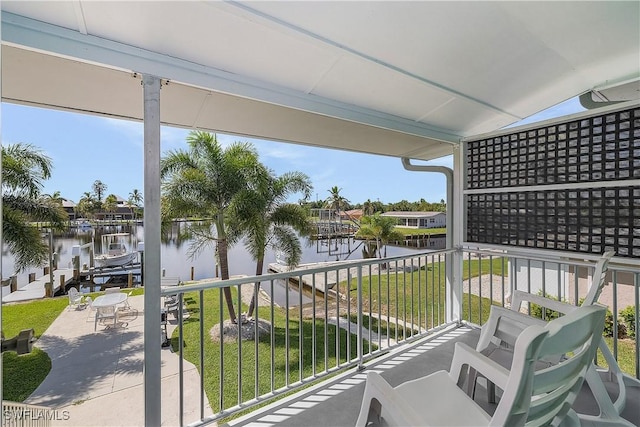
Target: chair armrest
(505,325)
(519,297)
(465,355)
(377,388)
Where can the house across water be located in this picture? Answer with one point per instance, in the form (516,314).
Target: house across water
(419,219)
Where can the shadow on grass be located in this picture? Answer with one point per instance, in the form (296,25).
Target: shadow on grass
(234,373)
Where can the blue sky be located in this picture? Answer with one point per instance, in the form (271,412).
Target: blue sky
(86,148)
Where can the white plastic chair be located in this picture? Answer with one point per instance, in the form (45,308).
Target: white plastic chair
(105,316)
(75,298)
(541,397)
(499,333)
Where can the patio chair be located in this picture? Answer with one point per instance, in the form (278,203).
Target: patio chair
(76,299)
(106,316)
(499,333)
(112,290)
(541,397)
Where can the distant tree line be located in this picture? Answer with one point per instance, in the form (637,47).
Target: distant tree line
(91,202)
(369,207)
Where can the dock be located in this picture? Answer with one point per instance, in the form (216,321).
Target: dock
(321,285)
(36,289)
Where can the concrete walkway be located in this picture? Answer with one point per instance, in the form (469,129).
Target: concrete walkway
(97,376)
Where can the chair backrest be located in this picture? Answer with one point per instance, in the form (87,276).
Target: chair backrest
(536,398)
(112,290)
(598,281)
(73,294)
(105,312)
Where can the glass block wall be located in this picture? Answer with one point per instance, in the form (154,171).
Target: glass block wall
(571,186)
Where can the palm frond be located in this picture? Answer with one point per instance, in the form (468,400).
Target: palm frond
(286,240)
(22,240)
(24,168)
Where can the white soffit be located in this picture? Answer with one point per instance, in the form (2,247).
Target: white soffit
(393,78)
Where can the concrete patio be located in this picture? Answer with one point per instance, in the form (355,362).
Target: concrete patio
(98,376)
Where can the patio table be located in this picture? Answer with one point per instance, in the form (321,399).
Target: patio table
(109,300)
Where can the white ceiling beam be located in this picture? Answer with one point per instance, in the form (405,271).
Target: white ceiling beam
(36,35)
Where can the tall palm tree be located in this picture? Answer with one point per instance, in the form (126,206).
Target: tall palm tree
(268,221)
(336,201)
(367,207)
(381,229)
(99,188)
(135,199)
(110,204)
(24,168)
(86,205)
(205,180)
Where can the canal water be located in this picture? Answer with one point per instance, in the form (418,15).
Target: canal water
(177,262)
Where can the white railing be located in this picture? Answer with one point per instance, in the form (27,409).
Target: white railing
(564,276)
(383,303)
(16,414)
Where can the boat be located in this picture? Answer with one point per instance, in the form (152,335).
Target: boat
(117,251)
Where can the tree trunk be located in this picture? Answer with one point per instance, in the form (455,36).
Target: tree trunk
(224,273)
(254,300)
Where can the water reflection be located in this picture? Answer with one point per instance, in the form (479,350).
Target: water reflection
(176,261)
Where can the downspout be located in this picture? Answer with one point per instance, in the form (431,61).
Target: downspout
(453,271)
(448,173)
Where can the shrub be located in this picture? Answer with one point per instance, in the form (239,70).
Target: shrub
(608,326)
(629,317)
(536,310)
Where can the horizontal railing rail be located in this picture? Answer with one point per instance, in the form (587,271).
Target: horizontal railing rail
(307,323)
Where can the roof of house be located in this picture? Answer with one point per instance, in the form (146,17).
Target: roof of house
(66,203)
(401,214)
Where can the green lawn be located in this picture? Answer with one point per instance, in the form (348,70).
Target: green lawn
(21,375)
(419,297)
(407,231)
(287,353)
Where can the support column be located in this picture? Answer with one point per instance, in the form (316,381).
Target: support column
(454,309)
(152,266)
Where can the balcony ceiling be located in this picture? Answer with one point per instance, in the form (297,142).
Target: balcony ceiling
(405,79)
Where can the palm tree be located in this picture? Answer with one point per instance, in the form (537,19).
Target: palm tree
(268,221)
(99,189)
(55,197)
(205,181)
(86,205)
(336,201)
(367,207)
(135,199)
(381,229)
(110,204)
(24,168)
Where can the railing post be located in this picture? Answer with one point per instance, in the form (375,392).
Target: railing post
(360,350)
